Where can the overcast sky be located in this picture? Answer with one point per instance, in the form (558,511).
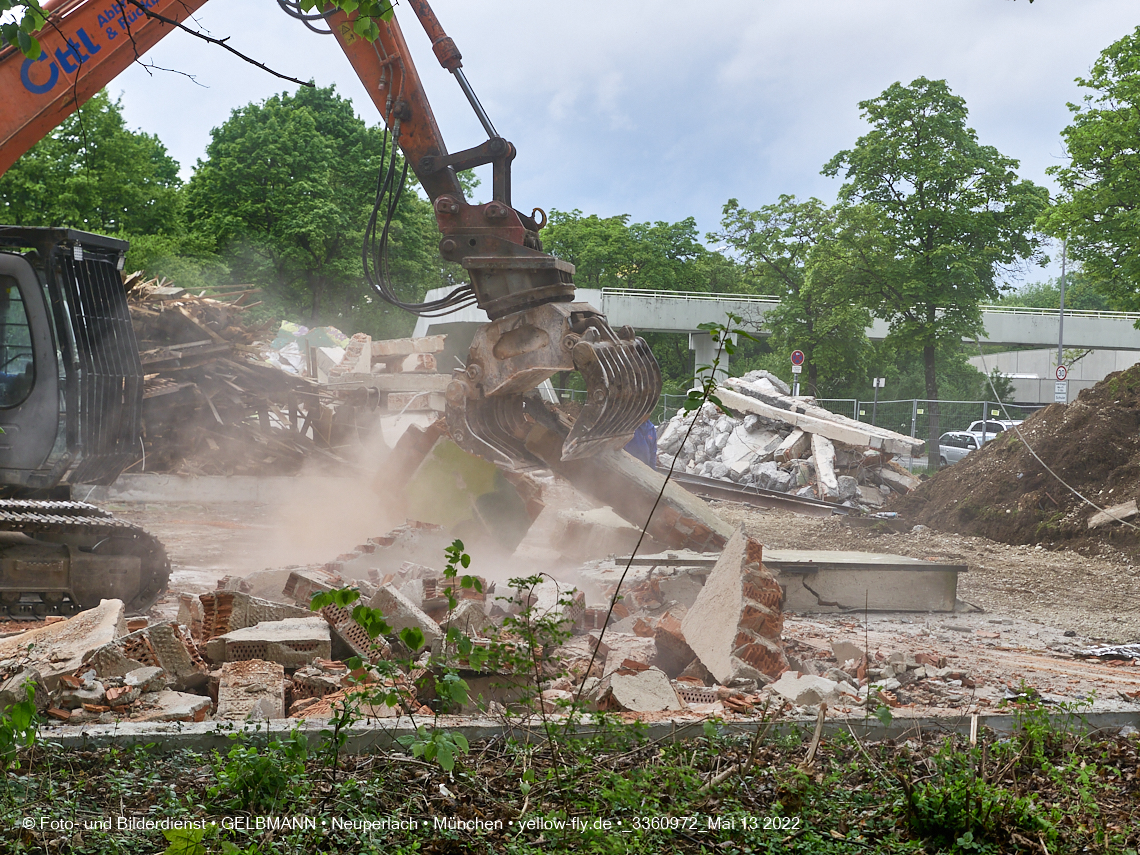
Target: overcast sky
(666,109)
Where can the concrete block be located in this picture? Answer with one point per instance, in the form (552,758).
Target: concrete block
(641,691)
(869,496)
(900,482)
(673,654)
(810,690)
(734,626)
(400,613)
(346,631)
(91,692)
(169,705)
(292,642)
(252,688)
(585,535)
(60,648)
(620,646)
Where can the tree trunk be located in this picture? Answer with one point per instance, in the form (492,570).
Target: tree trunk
(932,452)
(813,380)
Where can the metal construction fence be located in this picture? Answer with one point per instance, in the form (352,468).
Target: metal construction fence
(912,417)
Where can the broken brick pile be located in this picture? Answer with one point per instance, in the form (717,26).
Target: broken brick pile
(703,639)
(788,445)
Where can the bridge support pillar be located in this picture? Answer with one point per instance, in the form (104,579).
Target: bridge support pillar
(706,352)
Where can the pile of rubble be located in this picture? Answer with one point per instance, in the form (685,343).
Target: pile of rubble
(224,397)
(706,639)
(777,442)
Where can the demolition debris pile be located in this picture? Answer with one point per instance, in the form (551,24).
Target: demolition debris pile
(785,444)
(1003,493)
(703,639)
(224,397)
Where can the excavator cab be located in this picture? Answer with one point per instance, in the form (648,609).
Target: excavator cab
(71,380)
(71,387)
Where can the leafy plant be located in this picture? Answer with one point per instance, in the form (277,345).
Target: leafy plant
(436,744)
(259,773)
(18,727)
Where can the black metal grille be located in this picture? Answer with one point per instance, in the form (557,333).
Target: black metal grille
(104,392)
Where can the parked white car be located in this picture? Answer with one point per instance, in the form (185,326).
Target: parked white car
(988,429)
(956,444)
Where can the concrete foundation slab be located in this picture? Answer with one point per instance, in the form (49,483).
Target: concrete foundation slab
(292,642)
(817,581)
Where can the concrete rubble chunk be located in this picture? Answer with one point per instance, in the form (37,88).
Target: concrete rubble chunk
(416,363)
(673,654)
(823,456)
(59,648)
(147,679)
(169,705)
(794,446)
(400,613)
(810,690)
(1116,513)
(619,646)
(14,690)
(734,626)
(845,651)
(639,691)
(900,482)
(252,688)
(164,645)
(292,642)
(469,617)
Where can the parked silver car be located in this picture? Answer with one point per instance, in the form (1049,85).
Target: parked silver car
(956,444)
(989,429)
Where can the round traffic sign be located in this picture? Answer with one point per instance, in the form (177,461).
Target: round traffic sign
(1062,372)
(797,357)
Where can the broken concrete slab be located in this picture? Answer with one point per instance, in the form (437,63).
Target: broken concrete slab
(252,688)
(817,420)
(638,691)
(582,535)
(616,647)
(1125,511)
(59,648)
(169,705)
(146,679)
(400,613)
(734,626)
(823,456)
(386,348)
(292,642)
(469,617)
(900,482)
(825,581)
(845,651)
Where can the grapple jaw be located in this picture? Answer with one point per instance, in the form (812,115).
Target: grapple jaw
(491,407)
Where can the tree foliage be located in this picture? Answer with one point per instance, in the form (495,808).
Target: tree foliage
(789,250)
(1100,213)
(939,215)
(94,173)
(284,195)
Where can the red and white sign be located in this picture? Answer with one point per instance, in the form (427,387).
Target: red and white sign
(1062,372)
(797,357)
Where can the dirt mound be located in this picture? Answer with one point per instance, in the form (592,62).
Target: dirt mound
(1001,492)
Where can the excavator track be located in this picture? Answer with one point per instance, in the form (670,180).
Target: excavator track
(58,558)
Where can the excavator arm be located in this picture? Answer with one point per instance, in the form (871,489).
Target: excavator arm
(536,329)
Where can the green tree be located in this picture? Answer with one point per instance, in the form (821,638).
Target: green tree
(789,250)
(1081,294)
(284,195)
(610,252)
(94,173)
(940,214)
(1100,212)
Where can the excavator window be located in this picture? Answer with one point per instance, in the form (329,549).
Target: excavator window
(17,364)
